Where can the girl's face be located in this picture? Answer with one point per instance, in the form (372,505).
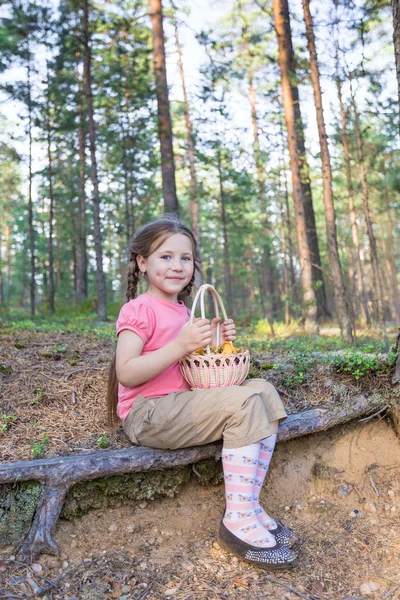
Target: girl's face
(169,268)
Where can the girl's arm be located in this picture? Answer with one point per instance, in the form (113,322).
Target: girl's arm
(135,368)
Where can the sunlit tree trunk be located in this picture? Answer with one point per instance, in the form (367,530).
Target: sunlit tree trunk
(342,307)
(309,300)
(311,230)
(100,278)
(164,117)
(368,220)
(360,285)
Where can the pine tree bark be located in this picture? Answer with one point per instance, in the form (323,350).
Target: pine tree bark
(311,230)
(194,203)
(30,204)
(164,117)
(368,220)
(81,284)
(342,306)
(360,285)
(393,269)
(281,15)
(396,42)
(100,278)
(51,197)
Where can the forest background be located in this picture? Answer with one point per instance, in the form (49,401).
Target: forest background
(278,145)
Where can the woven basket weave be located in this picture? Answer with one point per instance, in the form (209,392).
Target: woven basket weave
(213,370)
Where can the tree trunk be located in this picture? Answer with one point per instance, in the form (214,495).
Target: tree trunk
(368,220)
(361,292)
(8,262)
(393,269)
(267,278)
(81,283)
(164,117)
(101,283)
(285,273)
(282,32)
(293,286)
(30,205)
(282,8)
(342,306)
(227,260)
(51,197)
(194,204)
(396,41)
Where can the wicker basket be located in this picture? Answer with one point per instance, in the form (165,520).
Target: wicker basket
(213,370)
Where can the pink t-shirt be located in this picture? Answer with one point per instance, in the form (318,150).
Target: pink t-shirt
(157,322)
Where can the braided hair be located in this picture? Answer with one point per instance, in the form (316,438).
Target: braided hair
(146,241)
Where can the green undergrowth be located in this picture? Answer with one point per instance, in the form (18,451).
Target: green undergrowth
(369,355)
(79,324)
(308,344)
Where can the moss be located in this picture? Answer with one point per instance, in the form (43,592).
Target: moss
(208,472)
(5,369)
(110,491)
(17,507)
(18,501)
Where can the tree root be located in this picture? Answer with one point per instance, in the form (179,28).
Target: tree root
(58,475)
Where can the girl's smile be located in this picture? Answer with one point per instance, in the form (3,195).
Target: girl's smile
(169,268)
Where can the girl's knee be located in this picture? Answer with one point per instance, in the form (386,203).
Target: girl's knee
(260,385)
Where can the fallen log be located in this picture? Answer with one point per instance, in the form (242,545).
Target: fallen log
(58,475)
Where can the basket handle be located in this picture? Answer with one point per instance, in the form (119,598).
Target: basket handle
(216,299)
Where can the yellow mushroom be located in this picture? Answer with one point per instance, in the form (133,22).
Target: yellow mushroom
(228,348)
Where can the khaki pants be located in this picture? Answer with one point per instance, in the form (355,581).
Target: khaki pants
(240,414)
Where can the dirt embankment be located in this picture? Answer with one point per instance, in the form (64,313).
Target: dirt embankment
(339,490)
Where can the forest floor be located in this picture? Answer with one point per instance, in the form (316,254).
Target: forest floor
(339,490)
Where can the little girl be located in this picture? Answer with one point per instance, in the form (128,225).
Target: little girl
(158,409)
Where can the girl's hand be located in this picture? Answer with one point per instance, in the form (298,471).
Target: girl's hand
(194,336)
(228,330)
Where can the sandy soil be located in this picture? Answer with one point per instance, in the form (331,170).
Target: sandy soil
(339,490)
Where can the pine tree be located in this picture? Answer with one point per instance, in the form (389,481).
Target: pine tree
(164,117)
(342,306)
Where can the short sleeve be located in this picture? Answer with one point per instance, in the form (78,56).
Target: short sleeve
(136,317)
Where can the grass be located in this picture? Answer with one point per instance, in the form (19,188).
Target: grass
(257,336)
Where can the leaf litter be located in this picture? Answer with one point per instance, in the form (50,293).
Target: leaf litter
(167,548)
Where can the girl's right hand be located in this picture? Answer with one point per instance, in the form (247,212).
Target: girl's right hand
(194,336)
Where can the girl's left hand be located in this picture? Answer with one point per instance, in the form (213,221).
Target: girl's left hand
(228,330)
